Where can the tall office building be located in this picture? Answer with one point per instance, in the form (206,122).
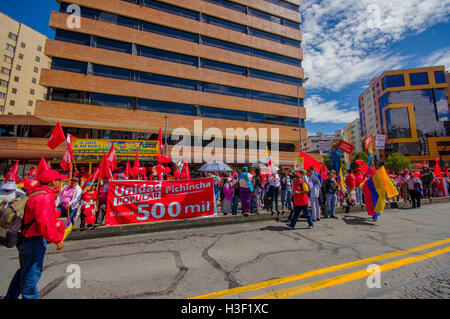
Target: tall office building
(411,107)
(21,61)
(124,65)
(352,135)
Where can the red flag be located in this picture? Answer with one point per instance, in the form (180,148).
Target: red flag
(310,161)
(13,173)
(57,137)
(136,160)
(112,158)
(446,171)
(68,155)
(185,170)
(43,166)
(105,170)
(92,178)
(346,147)
(425,163)
(160,140)
(128,170)
(87,136)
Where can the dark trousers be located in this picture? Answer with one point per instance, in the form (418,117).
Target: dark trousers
(297,210)
(31,259)
(415,197)
(101,214)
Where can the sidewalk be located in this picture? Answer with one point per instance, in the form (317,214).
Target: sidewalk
(133,229)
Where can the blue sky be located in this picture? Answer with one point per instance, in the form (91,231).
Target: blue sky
(346,43)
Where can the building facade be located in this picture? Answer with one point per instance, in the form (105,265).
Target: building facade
(313,141)
(21,60)
(352,135)
(126,66)
(412,110)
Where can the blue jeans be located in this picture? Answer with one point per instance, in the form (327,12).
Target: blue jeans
(274,193)
(286,198)
(234,204)
(64,211)
(331,204)
(297,210)
(31,258)
(358,195)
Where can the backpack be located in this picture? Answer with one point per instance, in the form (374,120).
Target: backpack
(11,220)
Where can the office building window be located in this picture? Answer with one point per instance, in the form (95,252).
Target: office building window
(39,48)
(2,95)
(4,83)
(390,81)
(10,47)
(32,91)
(398,123)
(34,80)
(441,102)
(18,67)
(36,69)
(14,91)
(123,102)
(21,56)
(30,103)
(68,65)
(419,78)
(5,71)
(12,36)
(7,59)
(439,77)
(16,79)
(73,37)
(12,102)
(118,46)
(37,59)
(23,45)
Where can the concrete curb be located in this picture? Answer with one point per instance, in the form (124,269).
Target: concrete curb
(134,229)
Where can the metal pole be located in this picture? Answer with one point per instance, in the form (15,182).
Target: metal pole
(299,119)
(165,142)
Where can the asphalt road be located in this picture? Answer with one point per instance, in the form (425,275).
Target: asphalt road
(260,259)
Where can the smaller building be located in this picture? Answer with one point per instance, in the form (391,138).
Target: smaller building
(352,135)
(313,142)
(21,60)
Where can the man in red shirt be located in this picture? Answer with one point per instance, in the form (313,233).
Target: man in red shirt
(39,227)
(350,182)
(301,201)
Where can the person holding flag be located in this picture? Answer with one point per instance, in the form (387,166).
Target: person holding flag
(69,198)
(105,175)
(39,229)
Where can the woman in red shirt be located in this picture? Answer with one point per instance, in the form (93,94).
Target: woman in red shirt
(88,206)
(301,201)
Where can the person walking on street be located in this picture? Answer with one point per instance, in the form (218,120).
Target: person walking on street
(227,199)
(245,191)
(331,188)
(274,190)
(415,189)
(427,180)
(314,187)
(39,228)
(286,183)
(301,202)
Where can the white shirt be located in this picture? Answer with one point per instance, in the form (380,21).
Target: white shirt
(75,199)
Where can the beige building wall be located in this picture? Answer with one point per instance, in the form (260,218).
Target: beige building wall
(22,59)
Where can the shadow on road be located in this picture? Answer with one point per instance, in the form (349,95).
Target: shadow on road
(276,228)
(356,220)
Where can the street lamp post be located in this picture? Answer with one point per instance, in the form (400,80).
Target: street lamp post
(165,138)
(298,109)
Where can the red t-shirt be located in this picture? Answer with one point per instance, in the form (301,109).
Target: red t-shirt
(300,199)
(350,181)
(41,207)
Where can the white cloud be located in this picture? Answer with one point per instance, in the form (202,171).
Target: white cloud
(437,58)
(345,41)
(320,111)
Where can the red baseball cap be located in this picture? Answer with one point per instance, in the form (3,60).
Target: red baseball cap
(50,175)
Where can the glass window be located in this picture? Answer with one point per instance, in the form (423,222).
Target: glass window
(224,114)
(7,59)
(32,91)
(419,78)
(439,77)
(6,71)
(172,9)
(166,107)
(123,102)
(225,24)
(69,65)
(111,72)
(291,24)
(442,107)
(229,5)
(398,123)
(113,45)
(73,37)
(168,56)
(12,36)
(3,83)
(64,95)
(223,67)
(390,81)
(10,47)
(266,35)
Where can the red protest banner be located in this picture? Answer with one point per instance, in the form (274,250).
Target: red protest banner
(346,147)
(132,202)
(369,141)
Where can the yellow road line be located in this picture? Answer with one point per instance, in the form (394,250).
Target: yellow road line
(338,280)
(317,272)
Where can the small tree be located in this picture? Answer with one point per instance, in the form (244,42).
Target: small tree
(361,155)
(397,162)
